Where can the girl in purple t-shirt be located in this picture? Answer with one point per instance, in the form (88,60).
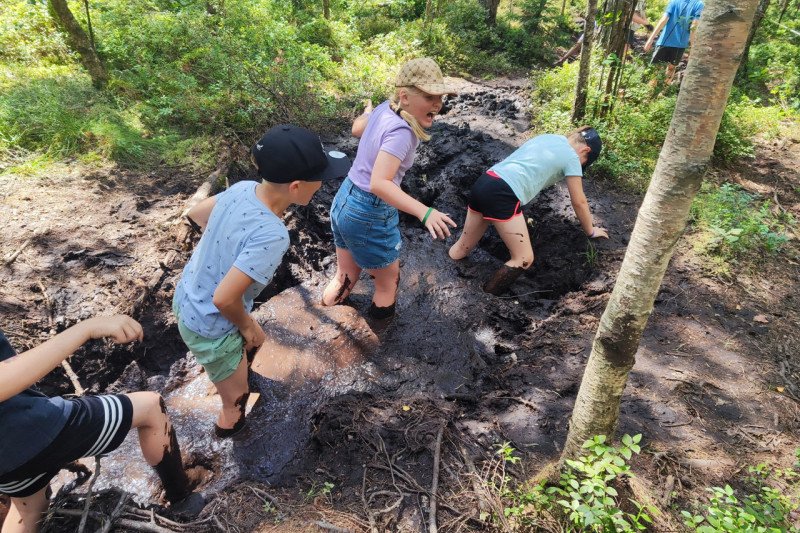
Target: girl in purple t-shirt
(364,213)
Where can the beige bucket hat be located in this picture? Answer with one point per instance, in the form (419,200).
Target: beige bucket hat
(424,74)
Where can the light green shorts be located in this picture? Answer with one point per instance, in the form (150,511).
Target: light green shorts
(220,357)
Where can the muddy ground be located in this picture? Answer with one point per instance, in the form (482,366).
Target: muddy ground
(714,388)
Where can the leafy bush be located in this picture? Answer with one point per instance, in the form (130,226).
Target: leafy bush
(584,499)
(765,504)
(735,222)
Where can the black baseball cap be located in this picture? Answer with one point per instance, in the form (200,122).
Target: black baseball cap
(287,153)
(592,139)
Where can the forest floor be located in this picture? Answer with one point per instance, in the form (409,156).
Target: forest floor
(350,439)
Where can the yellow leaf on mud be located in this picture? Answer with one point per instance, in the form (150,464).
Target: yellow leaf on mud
(779,389)
(406,408)
(761,319)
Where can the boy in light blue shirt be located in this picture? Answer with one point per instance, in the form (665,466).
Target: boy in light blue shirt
(498,195)
(243,243)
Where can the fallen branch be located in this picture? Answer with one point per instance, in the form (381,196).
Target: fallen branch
(73,377)
(435,483)
(88,503)
(205,190)
(115,513)
(11,258)
(330,527)
(135,525)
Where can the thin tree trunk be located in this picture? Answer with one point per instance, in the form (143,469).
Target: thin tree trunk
(581,87)
(491,8)
(78,41)
(784,6)
(662,218)
(761,10)
(326,9)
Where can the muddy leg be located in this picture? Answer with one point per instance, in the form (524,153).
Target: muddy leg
(474,228)
(233,391)
(516,238)
(25,514)
(159,444)
(386,282)
(347,273)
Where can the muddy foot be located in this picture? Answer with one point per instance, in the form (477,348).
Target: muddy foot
(226,433)
(189,507)
(502,280)
(380,318)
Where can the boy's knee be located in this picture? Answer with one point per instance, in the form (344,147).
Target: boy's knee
(147,407)
(527,261)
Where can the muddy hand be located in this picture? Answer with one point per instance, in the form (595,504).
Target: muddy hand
(253,336)
(437,224)
(599,233)
(121,328)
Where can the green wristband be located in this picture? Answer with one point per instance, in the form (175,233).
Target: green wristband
(427,214)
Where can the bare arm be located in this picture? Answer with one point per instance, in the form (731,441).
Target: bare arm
(653,36)
(639,19)
(360,123)
(692,32)
(381,184)
(581,207)
(228,299)
(200,213)
(24,369)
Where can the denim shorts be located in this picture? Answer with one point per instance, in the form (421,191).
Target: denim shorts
(366,226)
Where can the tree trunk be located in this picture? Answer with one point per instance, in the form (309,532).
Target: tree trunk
(784,6)
(581,87)
(662,218)
(326,9)
(615,40)
(78,41)
(491,7)
(761,10)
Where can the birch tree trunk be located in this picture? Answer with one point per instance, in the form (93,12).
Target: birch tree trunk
(78,41)
(662,218)
(581,87)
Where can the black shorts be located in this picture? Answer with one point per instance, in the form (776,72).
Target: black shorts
(97,425)
(667,54)
(493,199)
(631,37)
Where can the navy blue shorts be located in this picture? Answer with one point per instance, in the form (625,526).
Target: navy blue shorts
(492,198)
(667,54)
(97,425)
(366,226)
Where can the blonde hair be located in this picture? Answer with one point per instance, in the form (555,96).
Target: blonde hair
(394,103)
(576,134)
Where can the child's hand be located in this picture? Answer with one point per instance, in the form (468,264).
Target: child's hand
(437,223)
(253,336)
(121,328)
(599,233)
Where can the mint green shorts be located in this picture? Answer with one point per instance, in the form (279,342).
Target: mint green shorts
(220,357)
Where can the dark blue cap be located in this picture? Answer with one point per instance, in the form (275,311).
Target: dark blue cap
(592,140)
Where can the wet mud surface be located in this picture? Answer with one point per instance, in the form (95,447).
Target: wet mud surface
(333,404)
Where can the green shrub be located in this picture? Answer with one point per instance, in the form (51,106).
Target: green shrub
(736,223)
(764,504)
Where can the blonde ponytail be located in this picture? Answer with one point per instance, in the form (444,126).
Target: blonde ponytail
(394,103)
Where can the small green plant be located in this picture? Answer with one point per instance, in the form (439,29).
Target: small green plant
(586,494)
(766,503)
(736,222)
(316,490)
(506,453)
(591,255)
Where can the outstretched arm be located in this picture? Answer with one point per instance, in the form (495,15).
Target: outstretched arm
(653,36)
(23,370)
(581,207)
(381,184)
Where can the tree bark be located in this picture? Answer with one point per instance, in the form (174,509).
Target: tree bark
(581,87)
(326,9)
(761,10)
(491,7)
(78,41)
(662,218)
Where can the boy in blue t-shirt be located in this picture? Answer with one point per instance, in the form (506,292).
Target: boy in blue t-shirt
(40,435)
(243,243)
(497,197)
(679,19)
